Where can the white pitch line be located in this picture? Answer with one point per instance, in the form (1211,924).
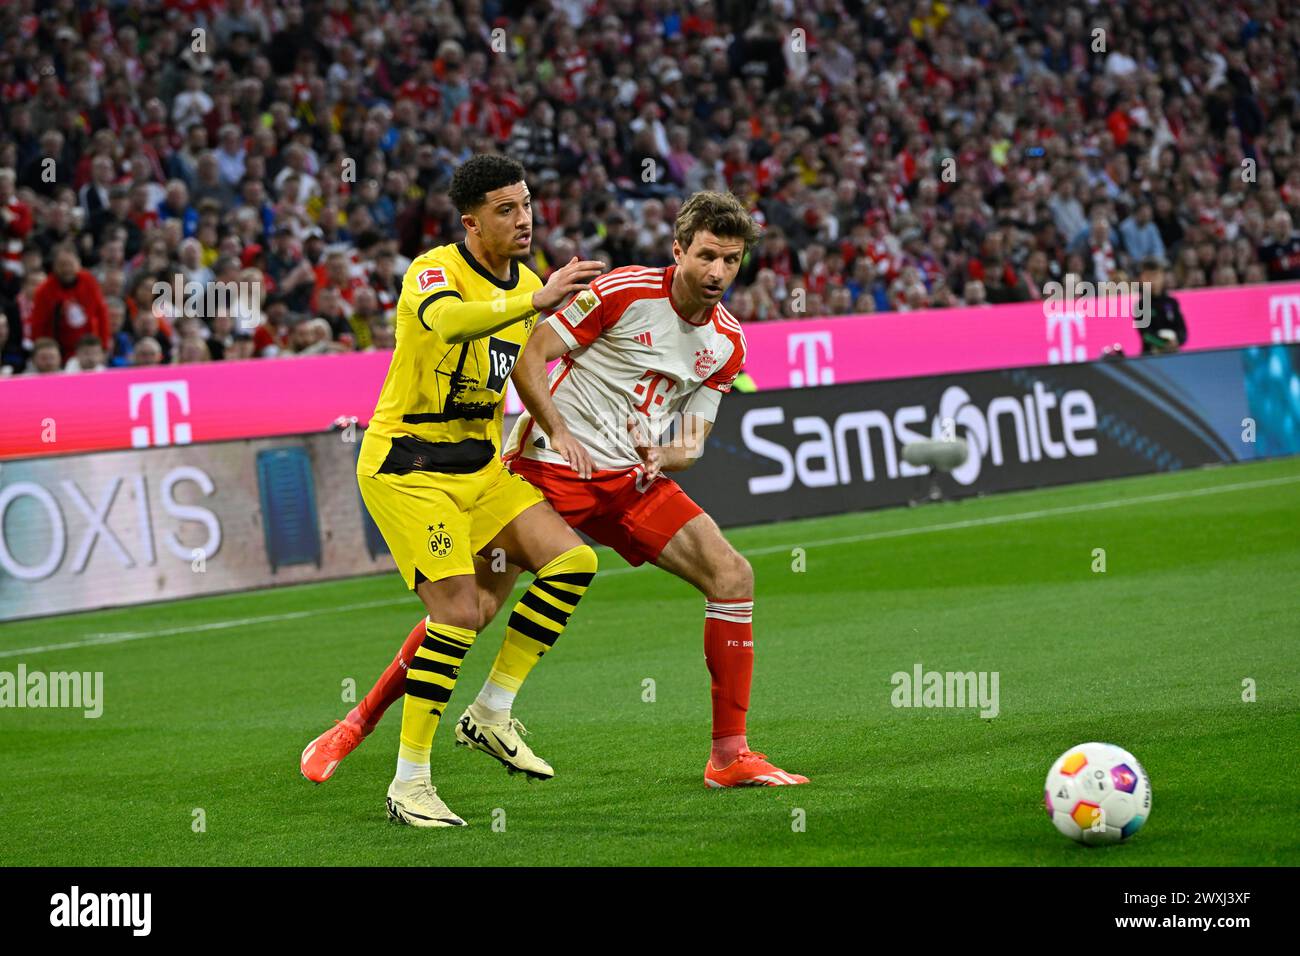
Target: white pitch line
(118,637)
(1031,515)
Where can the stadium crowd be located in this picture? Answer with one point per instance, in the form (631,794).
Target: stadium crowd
(901,155)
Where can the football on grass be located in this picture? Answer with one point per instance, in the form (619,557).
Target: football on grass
(1097,793)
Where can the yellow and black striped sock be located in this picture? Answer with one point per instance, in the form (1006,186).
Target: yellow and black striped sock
(429,682)
(541,615)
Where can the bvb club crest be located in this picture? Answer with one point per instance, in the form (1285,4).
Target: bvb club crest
(440,542)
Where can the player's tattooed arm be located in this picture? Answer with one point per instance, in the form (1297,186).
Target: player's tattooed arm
(529,376)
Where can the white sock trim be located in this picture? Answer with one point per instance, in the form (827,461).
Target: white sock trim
(737,612)
(496,699)
(409,771)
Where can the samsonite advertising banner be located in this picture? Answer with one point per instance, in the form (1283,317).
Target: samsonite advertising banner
(120,528)
(221,401)
(804,452)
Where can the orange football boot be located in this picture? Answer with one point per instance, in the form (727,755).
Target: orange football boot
(326,752)
(750,769)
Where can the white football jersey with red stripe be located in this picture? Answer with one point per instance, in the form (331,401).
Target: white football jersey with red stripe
(632,354)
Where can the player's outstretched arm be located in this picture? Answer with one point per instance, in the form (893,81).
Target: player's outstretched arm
(457,321)
(529,376)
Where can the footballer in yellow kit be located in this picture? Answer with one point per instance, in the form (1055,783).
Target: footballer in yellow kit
(434,441)
(431,476)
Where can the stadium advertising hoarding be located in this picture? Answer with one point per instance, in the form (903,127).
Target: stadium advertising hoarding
(799,453)
(182,404)
(936,341)
(117,528)
(220,401)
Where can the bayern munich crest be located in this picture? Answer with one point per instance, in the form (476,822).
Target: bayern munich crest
(704,362)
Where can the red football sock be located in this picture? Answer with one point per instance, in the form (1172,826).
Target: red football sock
(729,653)
(391,684)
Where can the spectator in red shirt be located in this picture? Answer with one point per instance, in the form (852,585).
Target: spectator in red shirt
(270,338)
(422,87)
(776,254)
(139,211)
(335,273)
(1119,122)
(492,109)
(69,305)
(15,223)
(702,21)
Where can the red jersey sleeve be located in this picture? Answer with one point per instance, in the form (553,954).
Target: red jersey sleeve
(725,375)
(593,311)
(581,321)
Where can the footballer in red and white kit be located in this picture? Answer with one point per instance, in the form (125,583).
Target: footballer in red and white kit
(645,357)
(632,365)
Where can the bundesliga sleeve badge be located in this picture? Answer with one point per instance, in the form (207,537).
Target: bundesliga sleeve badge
(580,308)
(432,279)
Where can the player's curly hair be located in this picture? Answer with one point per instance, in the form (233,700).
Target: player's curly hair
(719,213)
(478,176)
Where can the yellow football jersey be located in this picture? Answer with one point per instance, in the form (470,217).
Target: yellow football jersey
(442,404)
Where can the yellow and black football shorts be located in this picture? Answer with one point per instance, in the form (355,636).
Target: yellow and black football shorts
(435,514)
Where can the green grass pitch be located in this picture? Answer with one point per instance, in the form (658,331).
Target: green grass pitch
(208,702)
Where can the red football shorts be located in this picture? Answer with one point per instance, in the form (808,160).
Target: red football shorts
(609,507)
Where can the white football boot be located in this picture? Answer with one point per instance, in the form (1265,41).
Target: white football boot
(501,740)
(417,804)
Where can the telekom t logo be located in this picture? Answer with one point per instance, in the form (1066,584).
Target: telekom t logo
(810,344)
(157,393)
(647,389)
(1068,350)
(1284,318)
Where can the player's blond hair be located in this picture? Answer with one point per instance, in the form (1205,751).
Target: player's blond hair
(719,213)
